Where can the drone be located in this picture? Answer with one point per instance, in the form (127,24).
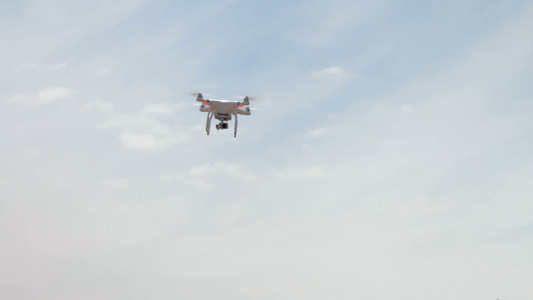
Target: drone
(223,110)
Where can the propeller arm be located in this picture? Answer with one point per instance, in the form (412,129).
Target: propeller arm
(246,101)
(245,111)
(205,108)
(200,97)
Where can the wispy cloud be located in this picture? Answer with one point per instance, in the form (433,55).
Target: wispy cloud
(333,73)
(145,133)
(59,66)
(329,21)
(316,172)
(210,175)
(161,109)
(44,96)
(99,105)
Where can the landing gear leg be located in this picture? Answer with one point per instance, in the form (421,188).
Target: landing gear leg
(208,122)
(236,122)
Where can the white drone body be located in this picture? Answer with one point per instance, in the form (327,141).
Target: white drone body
(222,110)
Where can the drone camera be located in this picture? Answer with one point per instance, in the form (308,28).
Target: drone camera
(222,125)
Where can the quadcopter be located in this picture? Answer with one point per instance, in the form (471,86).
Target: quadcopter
(222,110)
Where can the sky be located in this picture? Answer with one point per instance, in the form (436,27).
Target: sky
(388,156)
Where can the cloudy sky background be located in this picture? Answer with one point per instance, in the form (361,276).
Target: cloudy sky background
(389,156)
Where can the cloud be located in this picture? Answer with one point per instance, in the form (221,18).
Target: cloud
(302,93)
(25,66)
(407,109)
(141,130)
(302,173)
(332,72)
(59,66)
(327,21)
(145,133)
(160,109)
(99,105)
(30,66)
(147,141)
(52,94)
(101,73)
(320,132)
(210,175)
(220,168)
(44,96)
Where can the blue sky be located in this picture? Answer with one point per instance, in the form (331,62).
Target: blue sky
(389,156)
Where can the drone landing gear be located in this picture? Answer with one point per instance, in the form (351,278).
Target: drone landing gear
(208,122)
(222,125)
(235,133)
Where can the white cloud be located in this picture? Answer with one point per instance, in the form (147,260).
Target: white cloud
(327,21)
(145,133)
(220,168)
(146,141)
(212,170)
(160,109)
(52,94)
(406,109)
(301,173)
(99,105)
(31,66)
(25,66)
(332,72)
(101,73)
(207,176)
(59,66)
(320,132)
(44,96)
(303,93)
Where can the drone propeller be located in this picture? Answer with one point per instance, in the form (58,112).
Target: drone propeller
(246,100)
(249,97)
(195,94)
(200,98)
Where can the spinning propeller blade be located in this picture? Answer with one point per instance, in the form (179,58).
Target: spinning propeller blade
(200,98)
(244,96)
(195,94)
(246,100)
